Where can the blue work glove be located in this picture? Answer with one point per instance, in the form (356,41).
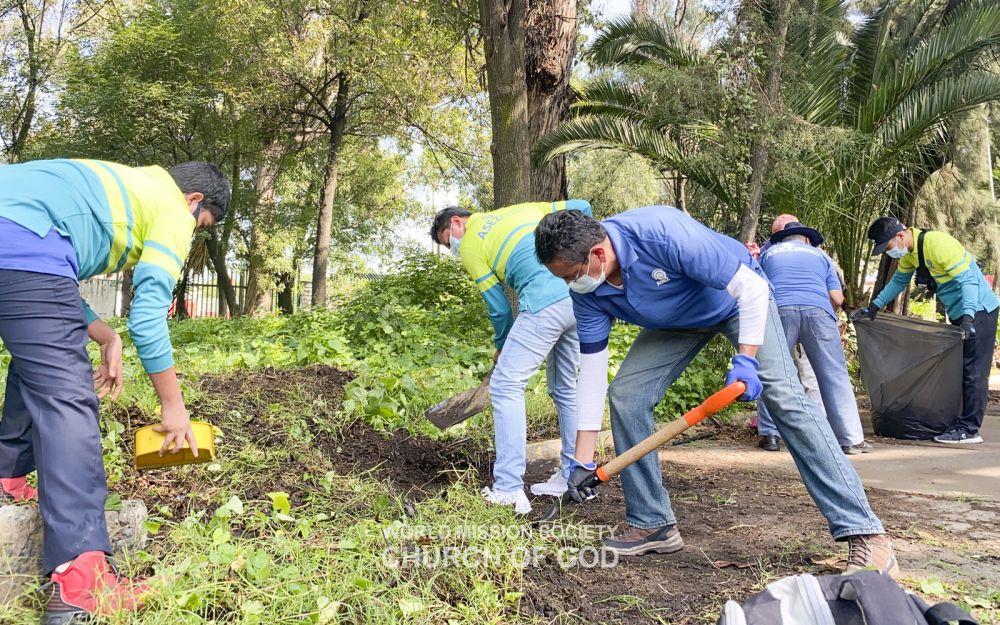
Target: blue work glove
(744,369)
(869,311)
(968,330)
(580,473)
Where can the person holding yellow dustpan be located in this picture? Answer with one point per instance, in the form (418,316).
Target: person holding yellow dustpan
(62,221)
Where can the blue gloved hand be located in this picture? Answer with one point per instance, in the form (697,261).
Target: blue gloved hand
(578,474)
(744,369)
(870,311)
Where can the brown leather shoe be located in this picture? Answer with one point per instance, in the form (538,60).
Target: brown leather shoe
(872,551)
(636,541)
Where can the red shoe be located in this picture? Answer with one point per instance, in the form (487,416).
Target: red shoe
(16,489)
(91,586)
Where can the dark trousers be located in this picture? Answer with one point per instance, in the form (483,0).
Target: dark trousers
(50,412)
(976,364)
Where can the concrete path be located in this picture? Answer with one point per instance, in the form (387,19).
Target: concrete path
(971,471)
(915,467)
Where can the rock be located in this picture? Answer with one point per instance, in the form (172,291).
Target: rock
(21,542)
(20,549)
(127,527)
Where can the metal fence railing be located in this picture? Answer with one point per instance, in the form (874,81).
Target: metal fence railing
(203,297)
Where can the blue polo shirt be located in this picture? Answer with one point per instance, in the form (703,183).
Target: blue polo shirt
(801,275)
(674,276)
(23,250)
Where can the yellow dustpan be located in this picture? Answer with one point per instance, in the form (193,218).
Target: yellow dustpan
(148,443)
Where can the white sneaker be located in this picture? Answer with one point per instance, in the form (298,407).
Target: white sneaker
(516,498)
(555,486)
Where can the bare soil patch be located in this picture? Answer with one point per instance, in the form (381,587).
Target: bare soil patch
(255,413)
(743,529)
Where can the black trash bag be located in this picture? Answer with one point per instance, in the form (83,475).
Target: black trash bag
(913,372)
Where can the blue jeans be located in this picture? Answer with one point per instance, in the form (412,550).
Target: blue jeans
(765,424)
(658,357)
(817,332)
(550,332)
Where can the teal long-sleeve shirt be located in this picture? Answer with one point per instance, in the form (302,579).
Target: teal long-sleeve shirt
(116,217)
(962,288)
(499,248)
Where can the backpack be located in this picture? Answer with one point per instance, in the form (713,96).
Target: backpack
(923,277)
(861,598)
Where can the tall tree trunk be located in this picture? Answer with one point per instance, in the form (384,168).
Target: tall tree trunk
(679,11)
(529,47)
(126,292)
(550,45)
(337,129)
(286,290)
(680,191)
(766,103)
(223,281)
(180,295)
(264,181)
(27,114)
(503,27)
(218,244)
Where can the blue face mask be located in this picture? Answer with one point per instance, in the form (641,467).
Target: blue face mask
(896,252)
(454,244)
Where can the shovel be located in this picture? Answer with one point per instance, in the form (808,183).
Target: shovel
(605,472)
(462,406)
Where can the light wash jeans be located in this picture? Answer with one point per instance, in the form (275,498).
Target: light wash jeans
(550,332)
(763,422)
(658,357)
(817,333)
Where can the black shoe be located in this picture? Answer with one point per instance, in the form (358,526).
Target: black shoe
(770,443)
(636,541)
(958,436)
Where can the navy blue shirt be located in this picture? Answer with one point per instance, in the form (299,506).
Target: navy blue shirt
(674,276)
(801,275)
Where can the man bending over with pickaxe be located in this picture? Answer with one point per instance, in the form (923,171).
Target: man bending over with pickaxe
(683,283)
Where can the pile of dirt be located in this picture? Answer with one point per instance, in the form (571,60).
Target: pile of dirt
(414,465)
(242,404)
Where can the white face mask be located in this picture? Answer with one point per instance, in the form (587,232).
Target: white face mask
(896,252)
(454,244)
(586,283)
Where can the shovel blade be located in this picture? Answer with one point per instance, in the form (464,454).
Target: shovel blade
(561,502)
(456,409)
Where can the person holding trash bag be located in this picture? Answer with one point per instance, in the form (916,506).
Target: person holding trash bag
(498,248)
(684,283)
(946,268)
(62,221)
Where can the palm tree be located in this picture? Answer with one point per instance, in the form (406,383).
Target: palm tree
(907,70)
(620,112)
(881,95)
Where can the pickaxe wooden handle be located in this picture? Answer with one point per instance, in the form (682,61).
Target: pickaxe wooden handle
(605,472)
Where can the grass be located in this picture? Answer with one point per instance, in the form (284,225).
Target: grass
(982,602)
